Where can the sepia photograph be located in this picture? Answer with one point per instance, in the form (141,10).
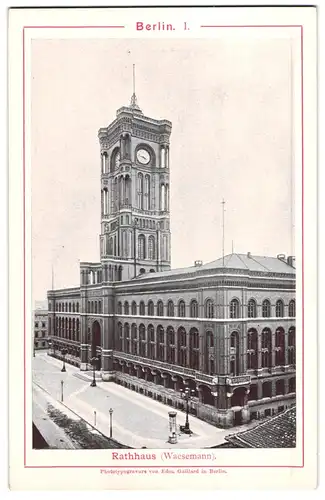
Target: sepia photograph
(163,243)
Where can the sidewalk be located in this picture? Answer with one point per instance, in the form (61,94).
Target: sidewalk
(137,420)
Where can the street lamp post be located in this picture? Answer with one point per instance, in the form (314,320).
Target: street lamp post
(64,352)
(110,422)
(187,394)
(93,362)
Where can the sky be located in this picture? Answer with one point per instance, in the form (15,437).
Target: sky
(229,101)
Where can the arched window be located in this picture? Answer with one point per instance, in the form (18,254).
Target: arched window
(266,309)
(126,337)
(194,349)
(134,308)
(96,307)
(252,313)
(279,309)
(266,345)
(77,307)
(119,337)
(99,307)
(126,307)
(142,340)
(160,308)
(234,308)
(140,191)
(234,339)
(151,308)
(151,248)
(292,309)
(134,343)
(181,309)
(119,308)
(292,345)
(252,360)
(141,247)
(279,346)
(69,307)
(147,193)
(170,335)
(160,342)
(73,308)
(209,309)
(142,308)
(194,309)
(110,246)
(170,308)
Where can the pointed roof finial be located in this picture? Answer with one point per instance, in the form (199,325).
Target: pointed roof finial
(134,101)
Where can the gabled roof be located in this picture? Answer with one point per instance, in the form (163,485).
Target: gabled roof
(245,262)
(275,432)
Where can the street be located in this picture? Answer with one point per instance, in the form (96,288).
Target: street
(137,420)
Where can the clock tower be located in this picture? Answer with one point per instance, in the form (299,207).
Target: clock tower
(135,217)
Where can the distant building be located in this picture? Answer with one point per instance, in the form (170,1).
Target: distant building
(40,329)
(226,329)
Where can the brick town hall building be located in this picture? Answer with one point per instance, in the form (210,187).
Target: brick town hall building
(226,329)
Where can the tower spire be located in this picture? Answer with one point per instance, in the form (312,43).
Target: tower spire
(134,101)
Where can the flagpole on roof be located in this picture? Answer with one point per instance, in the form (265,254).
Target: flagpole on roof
(223,232)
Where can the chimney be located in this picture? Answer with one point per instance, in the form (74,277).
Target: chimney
(198,263)
(249,255)
(291,261)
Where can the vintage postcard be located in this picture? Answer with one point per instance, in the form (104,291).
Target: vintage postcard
(162,248)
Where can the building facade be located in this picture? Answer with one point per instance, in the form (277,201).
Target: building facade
(40,329)
(225,329)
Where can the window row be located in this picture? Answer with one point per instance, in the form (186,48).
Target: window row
(160,344)
(121,245)
(157,310)
(67,328)
(179,310)
(67,307)
(270,347)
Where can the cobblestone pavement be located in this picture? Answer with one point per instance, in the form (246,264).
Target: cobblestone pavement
(137,420)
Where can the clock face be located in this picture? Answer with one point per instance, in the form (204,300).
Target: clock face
(117,160)
(143,156)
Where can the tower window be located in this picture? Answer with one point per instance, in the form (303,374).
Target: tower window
(140,191)
(141,247)
(151,248)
